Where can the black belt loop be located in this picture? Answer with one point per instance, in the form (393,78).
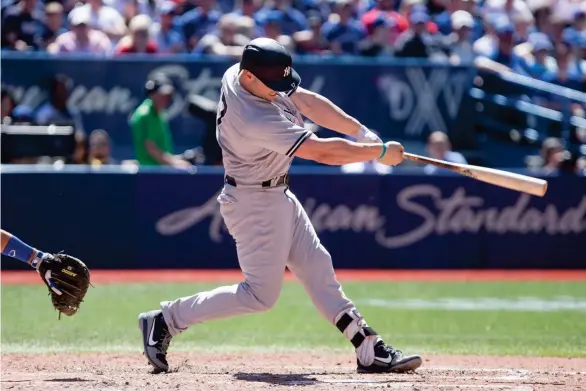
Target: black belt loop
(229,180)
(275,182)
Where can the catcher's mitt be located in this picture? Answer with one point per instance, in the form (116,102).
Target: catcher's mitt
(68,280)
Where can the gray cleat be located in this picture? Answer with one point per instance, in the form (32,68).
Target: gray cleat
(156,339)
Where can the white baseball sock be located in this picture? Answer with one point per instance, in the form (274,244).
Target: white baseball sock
(363,337)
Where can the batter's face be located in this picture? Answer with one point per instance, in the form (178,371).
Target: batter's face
(256,87)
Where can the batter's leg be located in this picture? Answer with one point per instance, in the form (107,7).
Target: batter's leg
(312,265)
(262,226)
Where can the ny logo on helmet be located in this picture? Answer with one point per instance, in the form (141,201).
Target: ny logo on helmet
(287,72)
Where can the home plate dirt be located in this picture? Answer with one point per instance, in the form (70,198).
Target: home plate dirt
(255,371)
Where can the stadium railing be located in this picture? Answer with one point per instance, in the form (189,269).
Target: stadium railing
(519,94)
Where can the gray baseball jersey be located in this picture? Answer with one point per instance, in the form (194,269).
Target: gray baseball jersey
(270,226)
(258,138)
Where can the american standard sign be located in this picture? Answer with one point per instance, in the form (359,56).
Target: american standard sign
(435,213)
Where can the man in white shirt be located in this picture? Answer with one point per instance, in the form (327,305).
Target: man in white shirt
(461,51)
(103,18)
(81,39)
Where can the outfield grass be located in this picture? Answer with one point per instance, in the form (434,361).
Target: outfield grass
(108,319)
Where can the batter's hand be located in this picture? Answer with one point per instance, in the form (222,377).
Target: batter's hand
(393,154)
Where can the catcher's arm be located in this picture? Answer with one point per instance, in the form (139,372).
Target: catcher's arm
(16,248)
(66,277)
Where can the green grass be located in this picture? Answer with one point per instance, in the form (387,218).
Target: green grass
(108,320)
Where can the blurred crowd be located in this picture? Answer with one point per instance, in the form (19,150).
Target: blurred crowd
(536,37)
(542,39)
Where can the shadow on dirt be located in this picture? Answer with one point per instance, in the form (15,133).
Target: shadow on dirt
(305,379)
(300,379)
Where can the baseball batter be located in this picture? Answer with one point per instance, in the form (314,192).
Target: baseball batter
(260,129)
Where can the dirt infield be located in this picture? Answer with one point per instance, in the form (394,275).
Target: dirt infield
(300,370)
(254,371)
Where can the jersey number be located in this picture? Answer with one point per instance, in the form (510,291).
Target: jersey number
(224,108)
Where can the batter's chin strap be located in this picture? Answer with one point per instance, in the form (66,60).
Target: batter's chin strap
(354,327)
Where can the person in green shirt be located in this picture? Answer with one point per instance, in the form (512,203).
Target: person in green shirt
(153,142)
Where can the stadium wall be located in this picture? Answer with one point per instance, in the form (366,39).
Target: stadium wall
(112,218)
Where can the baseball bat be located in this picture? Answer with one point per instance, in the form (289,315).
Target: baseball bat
(509,180)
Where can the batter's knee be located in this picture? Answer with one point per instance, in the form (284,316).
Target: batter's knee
(261,298)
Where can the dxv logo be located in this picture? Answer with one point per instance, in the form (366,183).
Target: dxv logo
(415,99)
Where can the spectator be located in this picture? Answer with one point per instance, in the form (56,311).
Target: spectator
(81,39)
(7,104)
(99,148)
(459,42)
(272,24)
(542,13)
(342,31)
(400,23)
(54,25)
(577,30)
(247,27)
(131,8)
(312,41)
(226,41)
(439,147)
(569,73)
(139,40)
(166,38)
(511,8)
(552,154)
(523,24)
(198,22)
(23,114)
(378,43)
(80,152)
(21,27)
(503,58)
(409,7)
(487,44)
(555,28)
(153,141)
(443,20)
(293,19)
(56,111)
(415,42)
(538,62)
(247,10)
(247,7)
(101,17)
